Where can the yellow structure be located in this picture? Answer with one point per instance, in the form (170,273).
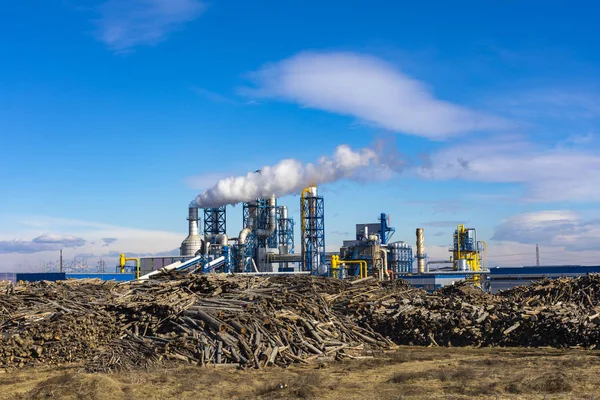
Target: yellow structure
(123,260)
(303,210)
(466,252)
(336,266)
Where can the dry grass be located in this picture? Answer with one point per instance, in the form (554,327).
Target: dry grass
(69,385)
(408,373)
(301,387)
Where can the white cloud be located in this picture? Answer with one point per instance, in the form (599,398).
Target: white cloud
(44,242)
(560,229)
(369,89)
(124,24)
(547,175)
(76,237)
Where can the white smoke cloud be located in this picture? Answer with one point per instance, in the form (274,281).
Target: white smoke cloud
(291,176)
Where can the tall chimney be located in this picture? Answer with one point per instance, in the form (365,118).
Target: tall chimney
(193,221)
(192,243)
(420,251)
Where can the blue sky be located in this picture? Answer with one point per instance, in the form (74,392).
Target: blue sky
(115,114)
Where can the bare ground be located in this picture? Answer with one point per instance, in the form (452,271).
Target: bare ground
(404,373)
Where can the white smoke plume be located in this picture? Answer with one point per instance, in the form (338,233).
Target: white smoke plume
(289,176)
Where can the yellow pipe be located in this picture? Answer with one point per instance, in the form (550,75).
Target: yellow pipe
(123,260)
(303,209)
(459,229)
(336,264)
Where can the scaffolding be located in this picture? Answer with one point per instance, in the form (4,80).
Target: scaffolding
(215,220)
(313,231)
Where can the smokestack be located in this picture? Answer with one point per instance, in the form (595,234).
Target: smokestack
(193,242)
(193,221)
(420,251)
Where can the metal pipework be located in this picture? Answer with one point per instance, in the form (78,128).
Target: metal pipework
(193,242)
(221,238)
(385,263)
(336,264)
(193,221)
(271,218)
(420,251)
(283,217)
(303,210)
(123,260)
(249,225)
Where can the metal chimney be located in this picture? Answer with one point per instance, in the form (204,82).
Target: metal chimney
(192,243)
(420,251)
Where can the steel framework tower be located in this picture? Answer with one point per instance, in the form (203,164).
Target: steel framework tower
(386,230)
(313,230)
(286,233)
(215,220)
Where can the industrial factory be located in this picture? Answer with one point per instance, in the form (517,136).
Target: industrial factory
(265,245)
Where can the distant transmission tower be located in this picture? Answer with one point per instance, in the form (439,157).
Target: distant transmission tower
(537,255)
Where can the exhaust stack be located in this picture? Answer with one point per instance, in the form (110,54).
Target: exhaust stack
(193,242)
(420,251)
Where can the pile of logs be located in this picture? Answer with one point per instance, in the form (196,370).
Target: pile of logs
(558,313)
(201,320)
(263,321)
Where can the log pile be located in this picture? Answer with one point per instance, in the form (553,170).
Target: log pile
(276,321)
(201,320)
(558,313)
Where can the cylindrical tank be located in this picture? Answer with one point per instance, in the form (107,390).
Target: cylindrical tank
(420,251)
(193,242)
(462,265)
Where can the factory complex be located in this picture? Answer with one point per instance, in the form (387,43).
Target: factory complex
(265,246)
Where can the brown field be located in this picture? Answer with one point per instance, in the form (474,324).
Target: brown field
(404,373)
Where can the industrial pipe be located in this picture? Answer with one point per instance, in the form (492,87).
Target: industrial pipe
(420,251)
(193,221)
(271,218)
(192,242)
(249,225)
(336,264)
(123,260)
(221,238)
(385,263)
(284,217)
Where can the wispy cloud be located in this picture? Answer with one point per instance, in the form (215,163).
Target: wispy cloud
(553,103)
(109,241)
(546,175)
(168,253)
(125,24)
(367,88)
(77,237)
(560,228)
(45,242)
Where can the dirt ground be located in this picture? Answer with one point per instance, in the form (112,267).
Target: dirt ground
(404,373)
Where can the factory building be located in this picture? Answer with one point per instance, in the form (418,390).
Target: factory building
(265,245)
